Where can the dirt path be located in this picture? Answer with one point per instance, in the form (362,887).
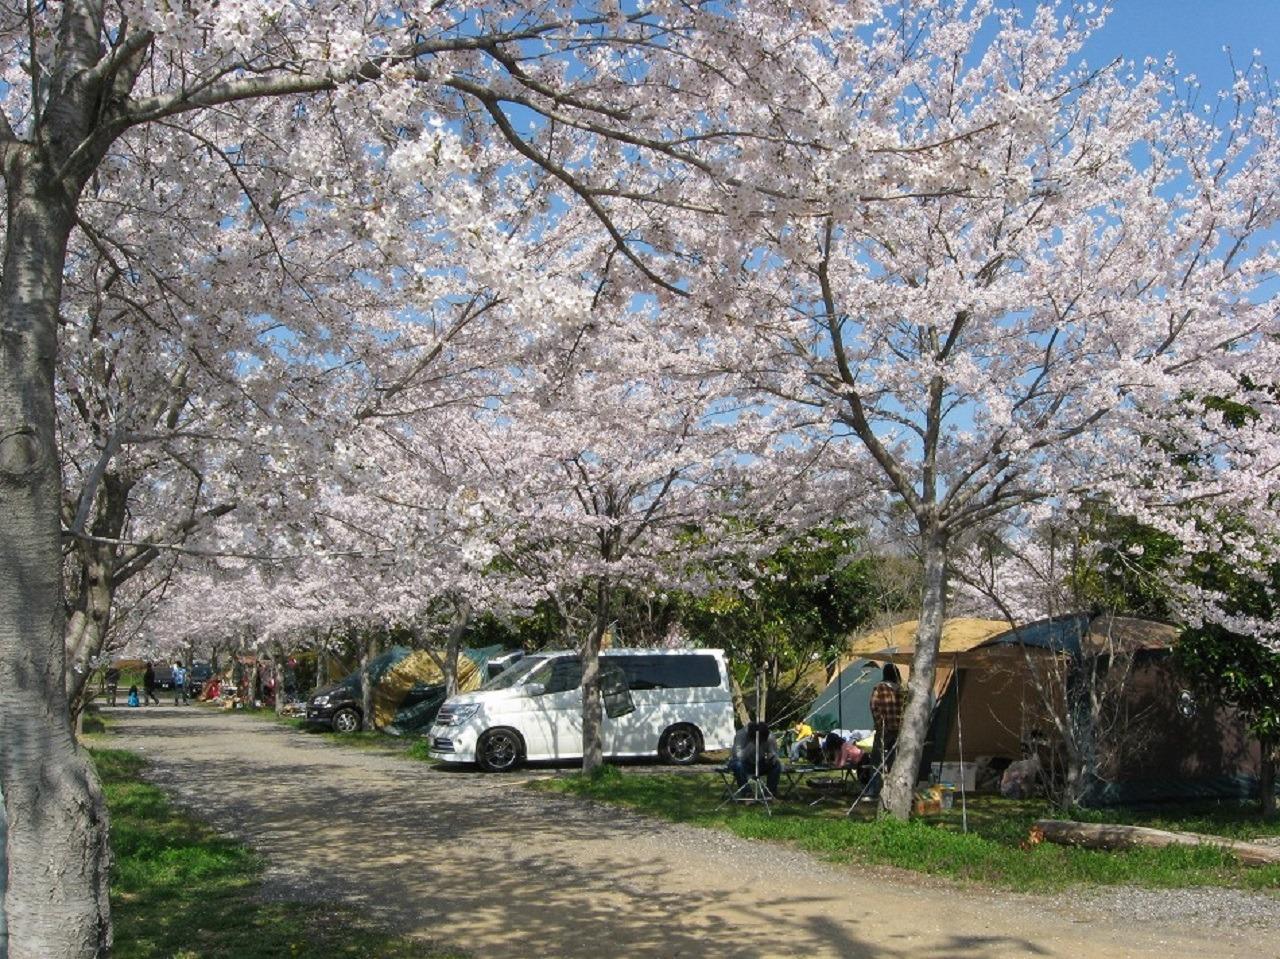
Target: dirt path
(480,863)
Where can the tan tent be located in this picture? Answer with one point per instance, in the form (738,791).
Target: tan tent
(992,682)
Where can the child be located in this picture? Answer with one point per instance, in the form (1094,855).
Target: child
(133,696)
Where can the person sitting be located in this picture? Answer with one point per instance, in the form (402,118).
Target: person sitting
(832,744)
(802,732)
(133,696)
(755,753)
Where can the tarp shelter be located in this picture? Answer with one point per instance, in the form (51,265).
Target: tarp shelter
(990,690)
(846,696)
(408,685)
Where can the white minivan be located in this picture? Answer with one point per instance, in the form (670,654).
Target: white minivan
(669,703)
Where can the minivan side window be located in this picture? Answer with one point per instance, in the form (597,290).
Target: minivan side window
(669,672)
(559,676)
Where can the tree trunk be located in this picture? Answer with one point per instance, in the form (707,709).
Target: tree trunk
(371,650)
(1092,835)
(4,875)
(279,664)
(90,619)
(592,701)
(739,703)
(459,629)
(86,630)
(900,784)
(1267,777)
(55,902)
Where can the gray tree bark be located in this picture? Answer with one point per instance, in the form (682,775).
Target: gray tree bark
(4,876)
(371,650)
(900,784)
(55,902)
(1267,777)
(592,700)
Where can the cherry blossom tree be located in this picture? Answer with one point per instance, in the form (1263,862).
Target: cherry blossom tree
(613,473)
(1004,325)
(312,113)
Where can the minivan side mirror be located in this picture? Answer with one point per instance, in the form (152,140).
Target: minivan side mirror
(535,689)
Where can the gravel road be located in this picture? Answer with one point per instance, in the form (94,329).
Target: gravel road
(480,863)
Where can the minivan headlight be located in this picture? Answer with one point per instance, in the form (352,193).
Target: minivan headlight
(320,701)
(457,715)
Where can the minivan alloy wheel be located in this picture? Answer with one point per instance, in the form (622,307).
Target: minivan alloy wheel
(681,745)
(498,750)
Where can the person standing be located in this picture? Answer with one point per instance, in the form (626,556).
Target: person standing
(179,684)
(149,686)
(886,712)
(113,682)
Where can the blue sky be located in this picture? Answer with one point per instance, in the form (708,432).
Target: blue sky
(1195,31)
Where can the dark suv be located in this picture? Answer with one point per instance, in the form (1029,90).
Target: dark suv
(337,707)
(197,676)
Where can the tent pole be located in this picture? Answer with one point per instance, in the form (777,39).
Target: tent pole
(964,808)
(756,746)
(839,694)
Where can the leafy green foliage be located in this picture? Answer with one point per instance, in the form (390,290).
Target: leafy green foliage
(1130,574)
(1235,668)
(994,851)
(180,890)
(796,607)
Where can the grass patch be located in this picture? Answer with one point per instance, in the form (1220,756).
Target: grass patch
(180,891)
(993,852)
(413,747)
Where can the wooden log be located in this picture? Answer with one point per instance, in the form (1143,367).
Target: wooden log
(1107,836)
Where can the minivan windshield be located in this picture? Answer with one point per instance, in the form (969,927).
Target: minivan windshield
(514,674)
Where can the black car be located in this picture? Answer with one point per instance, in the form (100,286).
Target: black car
(197,676)
(164,677)
(337,707)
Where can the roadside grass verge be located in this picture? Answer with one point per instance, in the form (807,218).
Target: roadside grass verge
(412,747)
(180,891)
(994,851)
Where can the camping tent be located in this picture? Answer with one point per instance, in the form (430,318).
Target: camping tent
(408,685)
(992,683)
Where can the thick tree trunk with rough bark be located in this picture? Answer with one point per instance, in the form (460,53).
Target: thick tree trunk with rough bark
(592,700)
(371,650)
(4,878)
(278,650)
(1267,777)
(55,902)
(900,783)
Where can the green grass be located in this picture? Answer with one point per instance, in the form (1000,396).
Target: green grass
(412,747)
(994,851)
(180,891)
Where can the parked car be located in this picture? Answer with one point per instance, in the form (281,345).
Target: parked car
(197,676)
(339,706)
(164,677)
(670,703)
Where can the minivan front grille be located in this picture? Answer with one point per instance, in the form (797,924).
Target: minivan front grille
(442,745)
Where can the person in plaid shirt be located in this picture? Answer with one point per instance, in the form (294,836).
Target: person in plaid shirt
(886,712)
